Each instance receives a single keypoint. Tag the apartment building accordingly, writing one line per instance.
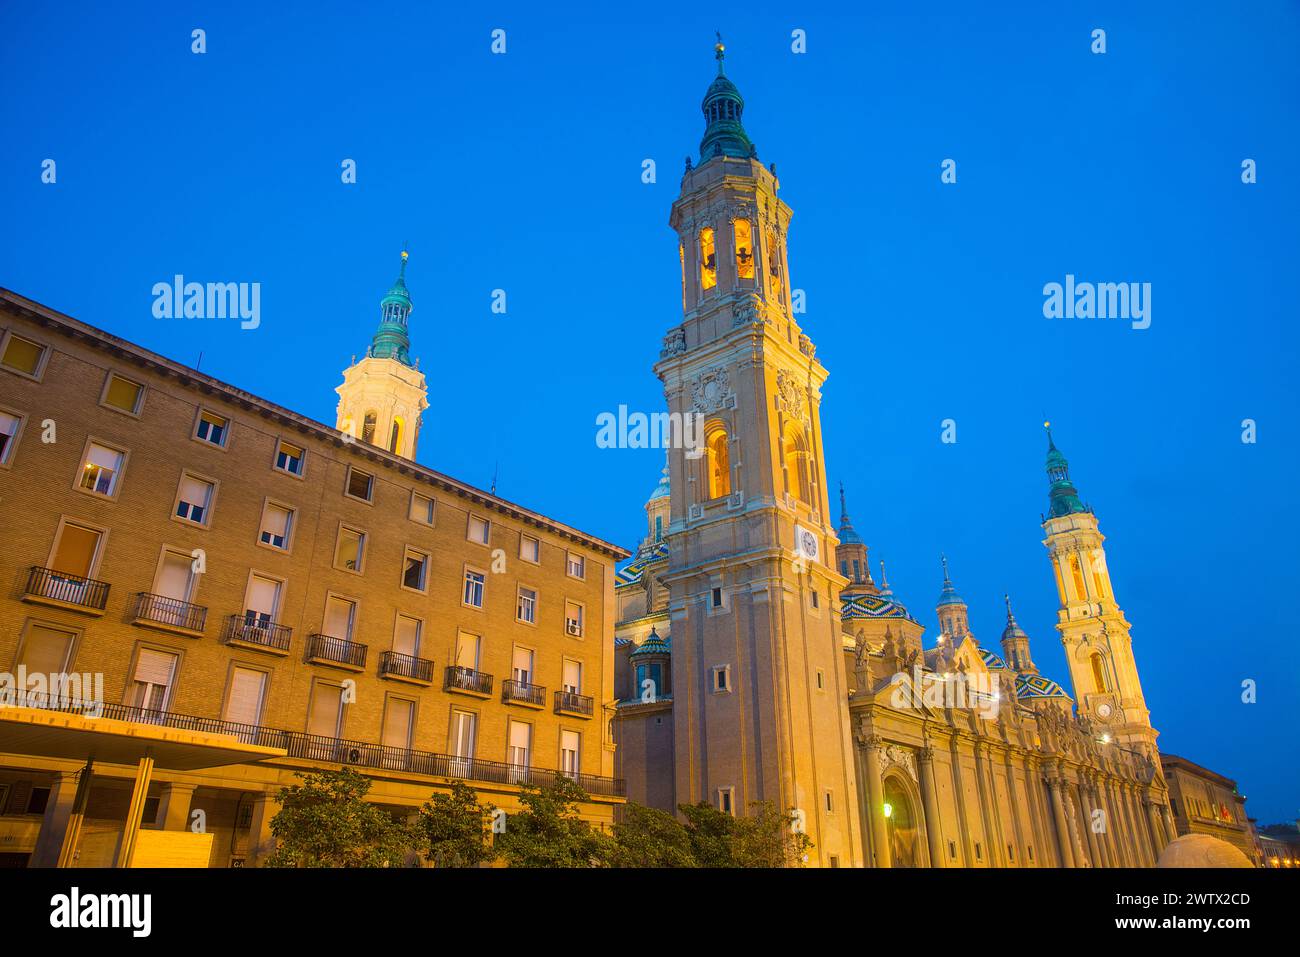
(259, 594)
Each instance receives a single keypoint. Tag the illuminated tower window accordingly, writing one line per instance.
(395, 437)
(792, 460)
(744, 249)
(368, 428)
(1098, 673)
(717, 460)
(1081, 590)
(775, 285)
(708, 259)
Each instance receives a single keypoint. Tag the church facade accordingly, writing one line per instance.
(758, 660)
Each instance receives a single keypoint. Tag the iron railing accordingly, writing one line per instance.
(467, 679)
(314, 747)
(254, 631)
(71, 589)
(170, 611)
(512, 690)
(405, 666)
(340, 650)
(574, 703)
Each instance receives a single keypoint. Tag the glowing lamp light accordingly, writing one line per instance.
(1105, 739)
(888, 809)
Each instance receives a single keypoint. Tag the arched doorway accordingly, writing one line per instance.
(901, 828)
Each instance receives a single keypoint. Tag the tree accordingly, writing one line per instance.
(765, 838)
(327, 822)
(453, 828)
(709, 832)
(649, 837)
(548, 831)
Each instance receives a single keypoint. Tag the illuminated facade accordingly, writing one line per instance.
(893, 754)
(262, 594)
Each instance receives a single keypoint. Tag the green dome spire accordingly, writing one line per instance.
(1063, 497)
(723, 106)
(392, 341)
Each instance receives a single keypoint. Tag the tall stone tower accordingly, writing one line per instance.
(1093, 629)
(383, 396)
(759, 687)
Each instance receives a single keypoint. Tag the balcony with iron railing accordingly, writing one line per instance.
(168, 614)
(514, 691)
(405, 668)
(336, 652)
(257, 634)
(467, 681)
(312, 747)
(570, 702)
(50, 587)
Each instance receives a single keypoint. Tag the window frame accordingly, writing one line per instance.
(582, 619)
(347, 485)
(520, 588)
(134, 413)
(433, 509)
(465, 582)
(121, 472)
(268, 502)
(524, 537)
(268, 675)
(280, 440)
(215, 484)
(24, 634)
(225, 436)
(363, 548)
(428, 566)
(129, 689)
(42, 364)
(486, 541)
(100, 530)
(568, 557)
(11, 450)
(723, 671)
(282, 585)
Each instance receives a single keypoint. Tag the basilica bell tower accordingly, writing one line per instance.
(759, 688)
(383, 397)
(1094, 631)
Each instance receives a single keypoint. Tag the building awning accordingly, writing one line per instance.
(58, 734)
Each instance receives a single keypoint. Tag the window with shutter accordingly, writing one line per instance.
(523, 665)
(76, 551)
(175, 576)
(572, 676)
(326, 717)
(340, 615)
(244, 702)
(195, 496)
(151, 686)
(123, 394)
(276, 521)
(570, 745)
(46, 650)
(467, 651)
(399, 718)
(263, 599)
(520, 742)
(406, 638)
(8, 429)
(100, 472)
(463, 733)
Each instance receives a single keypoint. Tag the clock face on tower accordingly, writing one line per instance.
(1104, 710)
(807, 543)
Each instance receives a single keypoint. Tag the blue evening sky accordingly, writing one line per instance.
(522, 172)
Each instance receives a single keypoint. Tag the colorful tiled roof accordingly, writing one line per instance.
(1036, 686)
(631, 572)
(654, 645)
(991, 660)
(871, 606)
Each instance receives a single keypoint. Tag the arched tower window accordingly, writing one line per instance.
(681, 252)
(744, 249)
(368, 428)
(1080, 589)
(717, 459)
(395, 436)
(708, 259)
(794, 464)
(1098, 672)
(775, 282)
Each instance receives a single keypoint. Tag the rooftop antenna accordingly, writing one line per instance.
(199, 364)
(495, 469)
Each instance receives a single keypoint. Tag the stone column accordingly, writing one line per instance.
(174, 806)
(1056, 789)
(1122, 836)
(1154, 820)
(54, 825)
(1037, 814)
(260, 841)
(986, 817)
(930, 798)
(1087, 802)
(876, 800)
